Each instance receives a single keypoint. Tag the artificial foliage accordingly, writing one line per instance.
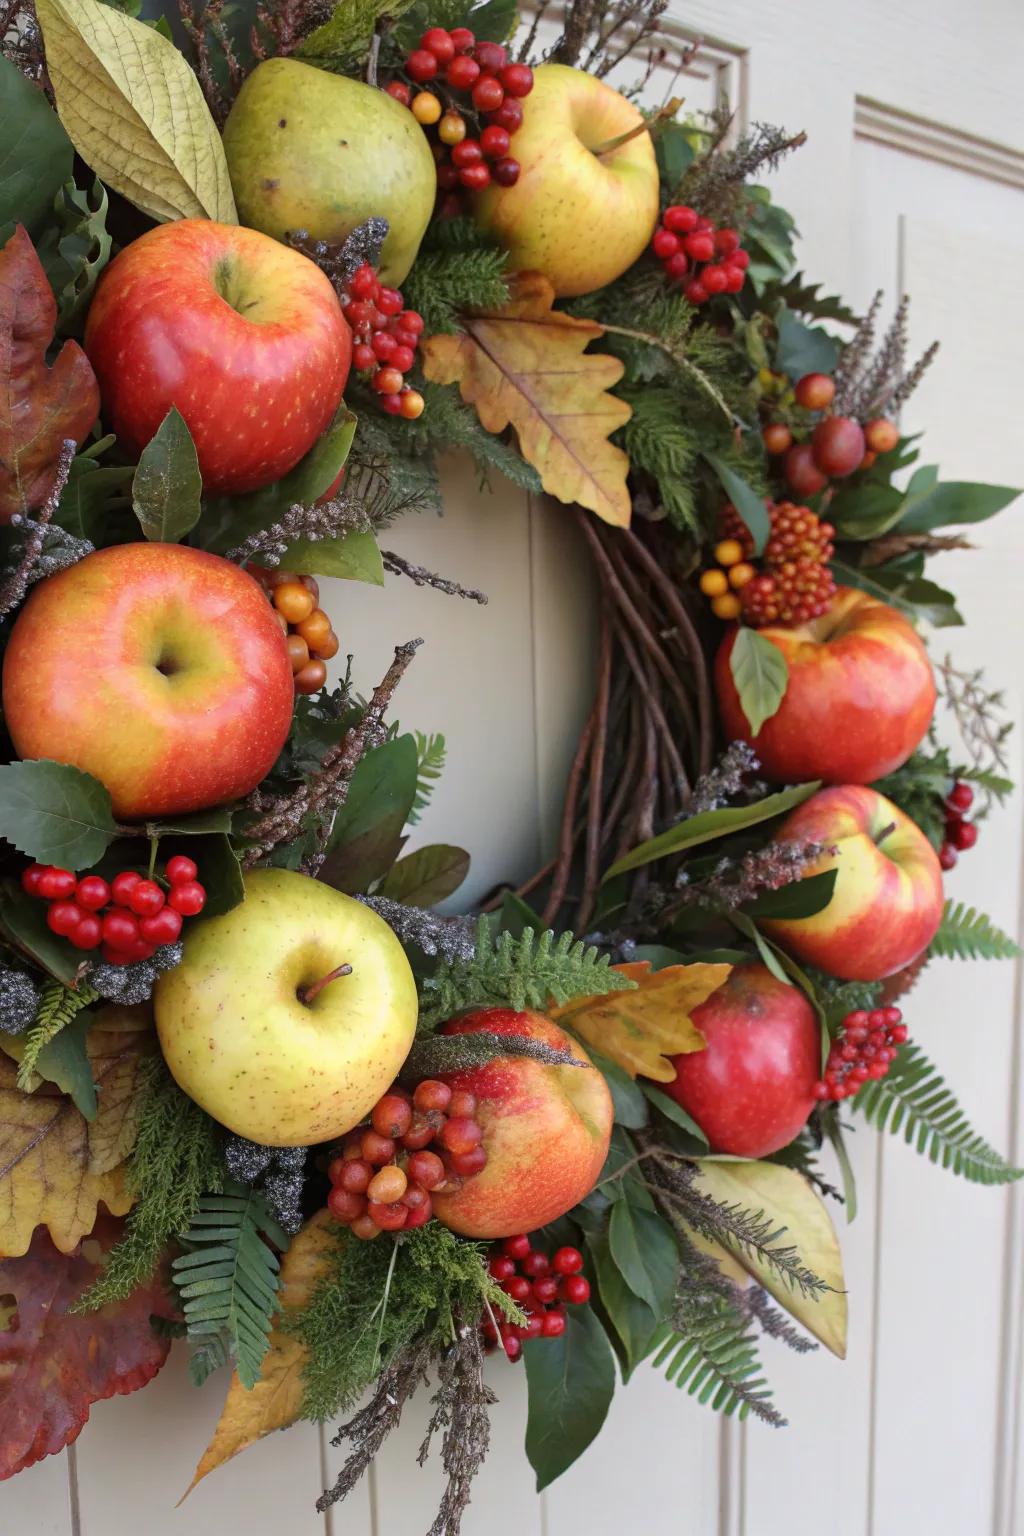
(731, 444)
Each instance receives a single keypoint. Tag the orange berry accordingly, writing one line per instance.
(881, 436)
(740, 574)
(388, 1185)
(728, 552)
(312, 677)
(365, 1227)
(714, 583)
(298, 652)
(294, 600)
(281, 620)
(726, 607)
(425, 107)
(311, 585)
(868, 459)
(452, 128)
(777, 437)
(815, 391)
(315, 629)
(412, 404)
(329, 647)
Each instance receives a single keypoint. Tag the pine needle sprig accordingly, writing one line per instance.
(518, 973)
(966, 934)
(58, 1005)
(443, 285)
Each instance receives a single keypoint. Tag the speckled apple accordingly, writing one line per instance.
(243, 335)
(887, 900)
(242, 1040)
(160, 670)
(752, 1088)
(546, 1131)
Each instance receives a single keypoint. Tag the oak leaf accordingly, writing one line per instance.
(56, 1167)
(40, 406)
(641, 1028)
(276, 1399)
(527, 365)
(53, 1366)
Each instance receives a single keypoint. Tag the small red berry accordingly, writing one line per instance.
(727, 241)
(488, 94)
(163, 927)
(187, 899)
(422, 65)
(390, 1218)
(699, 246)
(734, 279)
(517, 79)
(469, 152)
(359, 312)
(575, 1289)
(409, 320)
(494, 141)
(475, 177)
(420, 1133)
(88, 932)
(432, 1095)
(462, 73)
(679, 219)
(121, 929)
(462, 38)
(382, 344)
(56, 884)
(696, 293)
(63, 917)
(740, 259)
(419, 1213)
(536, 1264)
(462, 1102)
(403, 358)
(351, 1173)
(512, 1346)
(664, 244)
(502, 1267)
(961, 796)
(389, 301)
(506, 171)
(491, 56)
(553, 1325)
(460, 1135)
(147, 898)
(516, 1286)
(377, 1149)
(345, 1205)
(363, 283)
(363, 357)
(516, 1247)
(964, 836)
(947, 856)
(567, 1261)
(545, 1289)
(815, 391)
(92, 892)
(438, 42)
(465, 1164)
(400, 91)
(391, 1116)
(802, 471)
(715, 279)
(676, 267)
(181, 870)
(30, 878)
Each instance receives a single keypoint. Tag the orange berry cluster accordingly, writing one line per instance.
(795, 584)
(311, 639)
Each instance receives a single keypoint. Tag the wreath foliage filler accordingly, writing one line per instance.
(725, 435)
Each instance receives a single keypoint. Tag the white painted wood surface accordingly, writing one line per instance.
(922, 1428)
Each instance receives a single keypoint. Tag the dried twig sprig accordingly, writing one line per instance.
(869, 386)
(715, 182)
(460, 1406)
(340, 261)
(729, 779)
(314, 803)
(755, 1302)
(622, 29)
(733, 882)
(282, 24)
(325, 520)
(399, 566)
(367, 1430)
(21, 41)
(979, 713)
(454, 938)
(891, 545)
(14, 583)
(200, 26)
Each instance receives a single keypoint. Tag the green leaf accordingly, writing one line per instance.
(23, 923)
(953, 502)
(76, 248)
(865, 511)
(675, 154)
(632, 1320)
(706, 826)
(354, 557)
(675, 1112)
(761, 676)
(167, 483)
(628, 1102)
(367, 835)
(746, 500)
(767, 952)
(65, 1062)
(344, 37)
(834, 1133)
(35, 154)
(516, 916)
(55, 814)
(802, 348)
(198, 824)
(425, 877)
(965, 934)
(86, 502)
(495, 20)
(571, 1381)
(917, 598)
(644, 1247)
(801, 898)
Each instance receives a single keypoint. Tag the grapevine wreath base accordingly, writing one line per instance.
(259, 265)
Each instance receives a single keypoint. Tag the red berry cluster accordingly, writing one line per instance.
(837, 446)
(130, 916)
(456, 66)
(795, 584)
(541, 1286)
(384, 1177)
(866, 1045)
(961, 834)
(385, 339)
(706, 260)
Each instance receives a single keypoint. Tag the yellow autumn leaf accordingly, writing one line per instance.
(135, 112)
(527, 364)
(788, 1201)
(276, 1399)
(641, 1028)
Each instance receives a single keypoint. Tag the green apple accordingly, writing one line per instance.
(315, 151)
(578, 216)
(252, 1028)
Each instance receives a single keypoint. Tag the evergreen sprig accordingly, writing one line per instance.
(518, 973)
(227, 1280)
(447, 423)
(431, 752)
(58, 1005)
(444, 284)
(966, 934)
(914, 1098)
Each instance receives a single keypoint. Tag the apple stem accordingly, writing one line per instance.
(649, 125)
(880, 839)
(307, 994)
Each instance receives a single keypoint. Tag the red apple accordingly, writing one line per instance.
(860, 695)
(244, 335)
(546, 1131)
(160, 670)
(887, 900)
(752, 1089)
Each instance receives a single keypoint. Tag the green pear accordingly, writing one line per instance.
(315, 151)
(259, 1028)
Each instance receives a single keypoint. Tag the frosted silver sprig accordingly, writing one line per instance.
(278, 1171)
(133, 984)
(454, 938)
(14, 582)
(19, 1000)
(399, 566)
(340, 261)
(327, 520)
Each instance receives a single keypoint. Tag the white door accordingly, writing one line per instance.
(912, 178)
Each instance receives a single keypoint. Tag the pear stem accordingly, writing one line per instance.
(307, 994)
(649, 125)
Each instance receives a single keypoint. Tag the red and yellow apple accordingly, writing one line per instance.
(160, 670)
(546, 1131)
(752, 1089)
(579, 216)
(860, 695)
(243, 335)
(887, 900)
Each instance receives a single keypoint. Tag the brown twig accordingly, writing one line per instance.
(592, 867)
(399, 566)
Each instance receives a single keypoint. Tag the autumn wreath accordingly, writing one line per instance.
(260, 264)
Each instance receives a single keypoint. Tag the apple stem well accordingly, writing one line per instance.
(307, 994)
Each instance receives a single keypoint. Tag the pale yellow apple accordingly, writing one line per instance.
(238, 1035)
(579, 218)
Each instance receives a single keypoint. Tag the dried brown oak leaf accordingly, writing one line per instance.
(56, 1167)
(40, 406)
(54, 1367)
(527, 365)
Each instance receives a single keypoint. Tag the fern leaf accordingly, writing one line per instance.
(430, 753)
(914, 1099)
(207, 1356)
(227, 1279)
(965, 934)
(716, 1361)
(58, 1005)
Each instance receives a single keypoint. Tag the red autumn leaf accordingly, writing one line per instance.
(40, 406)
(53, 1366)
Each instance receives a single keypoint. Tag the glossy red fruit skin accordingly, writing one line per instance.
(802, 471)
(752, 1089)
(838, 446)
(255, 396)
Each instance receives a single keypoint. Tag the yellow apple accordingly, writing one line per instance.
(578, 217)
(246, 1032)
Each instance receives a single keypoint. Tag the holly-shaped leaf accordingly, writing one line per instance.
(55, 813)
(761, 676)
(527, 365)
(56, 1166)
(54, 1366)
(40, 407)
(640, 1028)
(167, 483)
(276, 1399)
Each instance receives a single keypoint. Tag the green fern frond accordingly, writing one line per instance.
(966, 934)
(227, 1280)
(716, 1361)
(58, 1005)
(518, 973)
(207, 1356)
(914, 1099)
(431, 753)
(750, 1232)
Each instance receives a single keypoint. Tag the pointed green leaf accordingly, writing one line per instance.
(35, 154)
(644, 1247)
(954, 502)
(571, 1381)
(746, 500)
(55, 814)
(167, 483)
(706, 826)
(760, 674)
(425, 877)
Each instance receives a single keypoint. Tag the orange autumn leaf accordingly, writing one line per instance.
(276, 1399)
(527, 365)
(641, 1028)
